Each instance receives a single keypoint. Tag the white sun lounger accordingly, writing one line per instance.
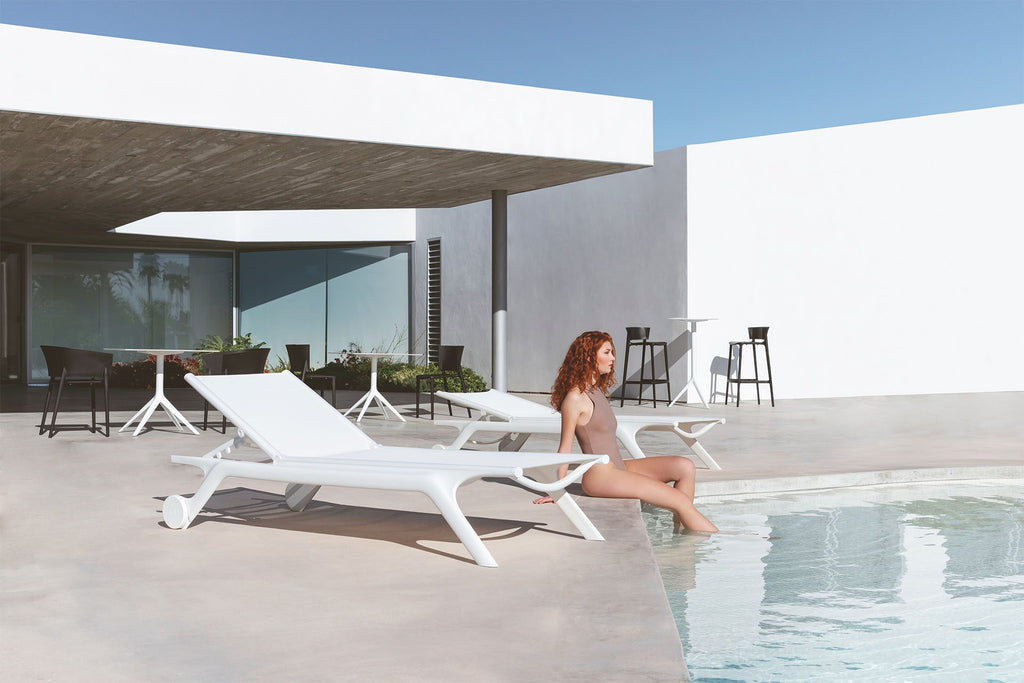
(310, 444)
(513, 415)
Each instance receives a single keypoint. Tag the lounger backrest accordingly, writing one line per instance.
(281, 415)
(502, 405)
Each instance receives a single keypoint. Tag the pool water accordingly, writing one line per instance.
(921, 582)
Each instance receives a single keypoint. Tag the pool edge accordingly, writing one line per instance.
(712, 489)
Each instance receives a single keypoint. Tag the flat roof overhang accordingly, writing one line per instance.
(98, 132)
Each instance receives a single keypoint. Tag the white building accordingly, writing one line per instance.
(153, 194)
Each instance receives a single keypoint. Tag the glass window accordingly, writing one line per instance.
(368, 297)
(95, 298)
(283, 300)
(327, 298)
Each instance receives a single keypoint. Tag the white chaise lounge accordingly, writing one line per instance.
(308, 444)
(516, 418)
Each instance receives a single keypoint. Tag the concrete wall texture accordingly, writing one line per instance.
(598, 254)
(884, 257)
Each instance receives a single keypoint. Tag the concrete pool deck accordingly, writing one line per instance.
(372, 585)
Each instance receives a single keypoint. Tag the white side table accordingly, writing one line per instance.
(691, 326)
(159, 399)
(374, 394)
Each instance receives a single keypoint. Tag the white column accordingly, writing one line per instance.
(499, 287)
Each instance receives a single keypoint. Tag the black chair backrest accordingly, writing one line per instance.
(298, 357)
(637, 333)
(758, 333)
(244, 361)
(449, 358)
(76, 362)
(54, 356)
(213, 363)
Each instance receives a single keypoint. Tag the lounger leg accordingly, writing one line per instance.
(628, 439)
(180, 511)
(443, 496)
(579, 519)
(567, 503)
(516, 444)
(297, 496)
(465, 434)
(698, 450)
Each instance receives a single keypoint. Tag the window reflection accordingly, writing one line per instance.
(99, 298)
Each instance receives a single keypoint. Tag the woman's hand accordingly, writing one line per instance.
(563, 471)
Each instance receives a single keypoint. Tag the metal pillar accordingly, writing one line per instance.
(499, 287)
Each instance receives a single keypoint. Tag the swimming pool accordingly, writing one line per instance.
(888, 583)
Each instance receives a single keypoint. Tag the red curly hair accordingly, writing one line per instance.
(579, 367)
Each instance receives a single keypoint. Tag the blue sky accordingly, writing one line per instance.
(716, 70)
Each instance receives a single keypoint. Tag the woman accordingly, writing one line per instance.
(579, 394)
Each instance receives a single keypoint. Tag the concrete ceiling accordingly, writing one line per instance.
(71, 179)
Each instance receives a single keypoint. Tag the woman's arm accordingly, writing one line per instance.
(570, 412)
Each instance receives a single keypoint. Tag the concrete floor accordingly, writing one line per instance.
(372, 585)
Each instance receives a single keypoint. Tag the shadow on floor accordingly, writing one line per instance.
(252, 507)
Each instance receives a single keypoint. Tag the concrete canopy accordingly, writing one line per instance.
(98, 132)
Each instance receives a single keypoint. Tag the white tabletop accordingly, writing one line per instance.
(693, 320)
(163, 352)
(373, 355)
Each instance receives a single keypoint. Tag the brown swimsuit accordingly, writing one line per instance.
(597, 437)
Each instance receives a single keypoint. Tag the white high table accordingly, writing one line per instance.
(374, 394)
(159, 400)
(691, 381)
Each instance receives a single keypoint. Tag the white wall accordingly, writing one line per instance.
(885, 257)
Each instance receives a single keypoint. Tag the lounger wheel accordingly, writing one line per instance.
(176, 512)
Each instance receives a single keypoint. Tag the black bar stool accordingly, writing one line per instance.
(758, 337)
(637, 336)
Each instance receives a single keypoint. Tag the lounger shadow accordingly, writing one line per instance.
(413, 529)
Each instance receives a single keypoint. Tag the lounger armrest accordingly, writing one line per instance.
(699, 432)
(204, 463)
(559, 484)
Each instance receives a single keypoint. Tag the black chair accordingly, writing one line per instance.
(241, 362)
(298, 363)
(449, 366)
(638, 336)
(76, 367)
(758, 337)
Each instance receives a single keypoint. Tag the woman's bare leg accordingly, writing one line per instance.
(667, 468)
(605, 481)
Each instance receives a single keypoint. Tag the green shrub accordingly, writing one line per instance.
(214, 342)
(353, 372)
(141, 374)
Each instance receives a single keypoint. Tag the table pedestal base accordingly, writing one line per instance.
(373, 395)
(690, 383)
(158, 401)
(691, 327)
(382, 403)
